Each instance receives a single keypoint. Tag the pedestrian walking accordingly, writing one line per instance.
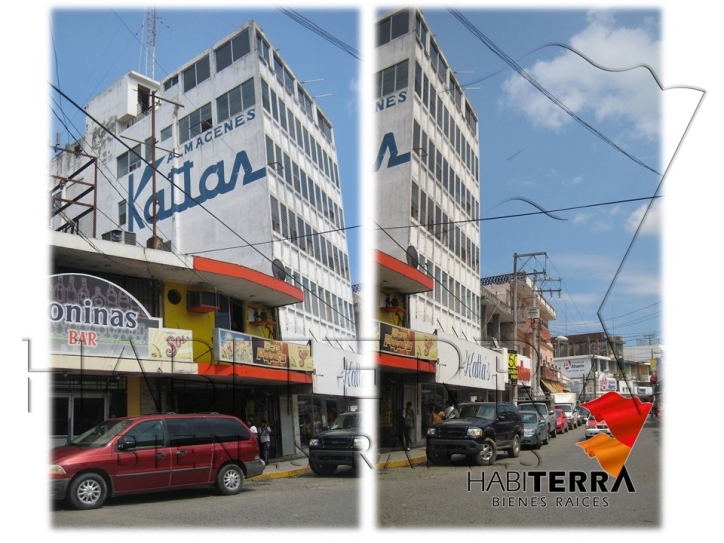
(264, 441)
(408, 424)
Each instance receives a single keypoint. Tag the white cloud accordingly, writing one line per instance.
(630, 98)
(652, 222)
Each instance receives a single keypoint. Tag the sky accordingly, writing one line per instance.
(581, 164)
(565, 166)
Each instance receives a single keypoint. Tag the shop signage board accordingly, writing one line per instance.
(94, 317)
(469, 364)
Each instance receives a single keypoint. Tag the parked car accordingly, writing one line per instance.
(154, 452)
(343, 444)
(535, 430)
(543, 410)
(483, 429)
(561, 421)
(594, 427)
(569, 411)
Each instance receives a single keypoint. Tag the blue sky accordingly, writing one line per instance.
(531, 149)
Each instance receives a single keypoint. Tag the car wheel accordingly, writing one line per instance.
(322, 469)
(514, 451)
(87, 491)
(554, 433)
(230, 479)
(546, 439)
(439, 459)
(487, 454)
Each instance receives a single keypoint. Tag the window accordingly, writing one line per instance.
(166, 133)
(324, 126)
(392, 27)
(421, 31)
(235, 101)
(170, 82)
(391, 79)
(304, 100)
(194, 124)
(415, 202)
(262, 47)
(197, 73)
(129, 161)
(276, 226)
(122, 211)
(265, 96)
(232, 50)
(147, 434)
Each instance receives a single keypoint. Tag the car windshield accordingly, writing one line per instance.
(101, 434)
(345, 421)
(529, 418)
(478, 411)
(565, 408)
(533, 407)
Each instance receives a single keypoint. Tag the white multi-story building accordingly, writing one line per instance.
(427, 184)
(428, 173)
(246, 172)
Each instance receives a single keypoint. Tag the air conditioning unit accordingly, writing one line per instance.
(120, 236)
(201, 302)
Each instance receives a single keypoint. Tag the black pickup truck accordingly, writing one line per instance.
(342, 445)
(483, 429)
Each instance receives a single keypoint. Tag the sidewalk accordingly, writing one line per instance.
(385, 459)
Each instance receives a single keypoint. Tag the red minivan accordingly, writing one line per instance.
(154, 452)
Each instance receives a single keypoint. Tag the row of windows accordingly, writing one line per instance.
(323, 304)
(424, 210)
(450, 293)
(286, 79)
(302, 184)
(301, 234)
(432, 158)
(274, 105)
(425, 90)
(231, 103)
(456, 297)
(231, 51)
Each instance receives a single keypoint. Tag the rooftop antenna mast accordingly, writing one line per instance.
(149, 30)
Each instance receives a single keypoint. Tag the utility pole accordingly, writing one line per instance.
(535, 380)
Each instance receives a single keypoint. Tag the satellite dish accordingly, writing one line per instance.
(412, 258)
(278, 270)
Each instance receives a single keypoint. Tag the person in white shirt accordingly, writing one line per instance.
(264, 441)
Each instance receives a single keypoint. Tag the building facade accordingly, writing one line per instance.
(218, 192)
(427, 182)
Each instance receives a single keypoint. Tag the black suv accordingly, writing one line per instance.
(343, 444)
(483, 429)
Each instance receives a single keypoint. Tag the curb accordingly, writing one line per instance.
(409, 461)
(282, 474)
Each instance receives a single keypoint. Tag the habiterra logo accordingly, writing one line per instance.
(625, 417)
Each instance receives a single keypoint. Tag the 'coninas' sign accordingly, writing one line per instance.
(95, 317)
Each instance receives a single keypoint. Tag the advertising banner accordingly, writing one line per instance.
(171, 344)
(238, 348)
(405, 342)
(95, 317)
